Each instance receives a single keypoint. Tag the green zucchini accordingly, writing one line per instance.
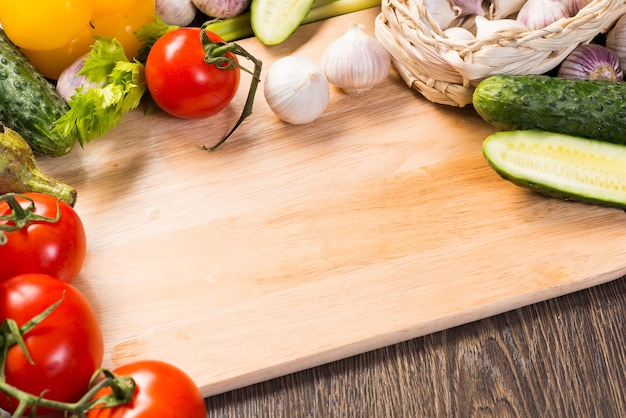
(273, 21)
(560, 165)
(590, 109)
(30, 104)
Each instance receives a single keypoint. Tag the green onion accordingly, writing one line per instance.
(238, 27)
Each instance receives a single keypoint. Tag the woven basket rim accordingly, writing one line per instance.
(440, 66)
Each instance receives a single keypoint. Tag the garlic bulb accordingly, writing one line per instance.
(176, 12)
(222, 9)
(356, 61)
(616, 40)
(537, 14)
(296, 89)
(574, 6)
(591, 62)
(69, 82)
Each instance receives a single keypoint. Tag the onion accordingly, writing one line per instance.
(591, 62)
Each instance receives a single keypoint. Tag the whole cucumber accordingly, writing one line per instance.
(29, 104)
(584, 108)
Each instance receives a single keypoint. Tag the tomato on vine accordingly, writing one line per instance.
(192, 73)
(162, 390)
(61, 352)
(40, 234)
(181, 83)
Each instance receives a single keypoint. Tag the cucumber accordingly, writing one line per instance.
(590, 109)
(560, 165)
(30, 104)
(273, 21)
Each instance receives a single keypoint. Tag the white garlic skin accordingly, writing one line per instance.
(537, 14)
(296, 89)
(176, 12)
(356, 61)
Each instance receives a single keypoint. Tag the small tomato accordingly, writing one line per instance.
(56, 248)
(162, 390)
(182, 83)
(67, 347)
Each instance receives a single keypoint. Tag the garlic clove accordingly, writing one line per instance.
(468, 7)
(502, 9)
(486, 28)
(296, 89)
(356, 61)
(537, 14)
(458, 33)
(440, 11)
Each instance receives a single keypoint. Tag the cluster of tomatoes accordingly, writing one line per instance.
(42, 250)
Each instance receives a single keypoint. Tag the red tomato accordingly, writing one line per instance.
(179, 80)
(162, 390)
(66, 347)
(57, 249)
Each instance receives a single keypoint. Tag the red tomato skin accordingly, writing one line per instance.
(56, 249)
(179, 80)
(162, 390)
(67, 347)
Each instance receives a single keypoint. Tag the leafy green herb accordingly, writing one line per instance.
(95, 111)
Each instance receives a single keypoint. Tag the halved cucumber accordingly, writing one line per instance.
(273, 21)
(568, 167)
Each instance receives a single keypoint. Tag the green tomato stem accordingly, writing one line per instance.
(122, 387)
(217, 53)
(19, 216)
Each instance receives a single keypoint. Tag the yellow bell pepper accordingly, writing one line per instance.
(54, 33)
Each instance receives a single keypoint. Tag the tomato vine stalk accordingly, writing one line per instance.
(20, 216)
(122, 387)
(217, 53)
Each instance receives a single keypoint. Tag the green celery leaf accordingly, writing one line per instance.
(95, 111)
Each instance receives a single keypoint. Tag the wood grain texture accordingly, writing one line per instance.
(293, 246)
(560, 358)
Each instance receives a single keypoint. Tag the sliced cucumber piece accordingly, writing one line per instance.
(273, 21)
(568, 167)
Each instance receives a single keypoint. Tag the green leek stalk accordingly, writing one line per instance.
(238, 27)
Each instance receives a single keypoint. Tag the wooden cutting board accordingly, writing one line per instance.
(293, 246)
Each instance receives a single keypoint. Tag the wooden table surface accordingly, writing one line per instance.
(560, 358)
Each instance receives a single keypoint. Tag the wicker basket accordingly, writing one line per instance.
(446, 70)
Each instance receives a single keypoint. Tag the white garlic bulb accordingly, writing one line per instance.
(176, 12)
(296, 89)
(537, 14)
(356, 61)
